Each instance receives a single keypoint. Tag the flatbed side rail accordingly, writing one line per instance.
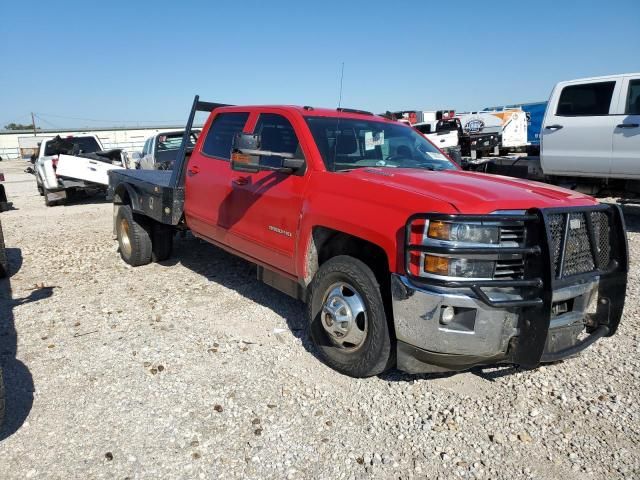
(177, 175)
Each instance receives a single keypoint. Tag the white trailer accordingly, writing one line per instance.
(510, 124)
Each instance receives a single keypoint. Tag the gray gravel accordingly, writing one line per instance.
(192, 369)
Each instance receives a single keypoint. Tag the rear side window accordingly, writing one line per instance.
(633, 98)
(220, 134)
(586, 100)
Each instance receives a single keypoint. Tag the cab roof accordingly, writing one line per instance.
(308, 111)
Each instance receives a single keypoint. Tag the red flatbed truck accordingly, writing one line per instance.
(404, 260)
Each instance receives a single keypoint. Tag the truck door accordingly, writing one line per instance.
(208, 175)
(626, 134)
(576, 134)
(263, 210)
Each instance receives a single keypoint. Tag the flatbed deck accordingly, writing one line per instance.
(150, 192)
(160, 178)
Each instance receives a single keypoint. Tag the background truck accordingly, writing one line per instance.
(402, 258)
(590, 138)
(64, 166)
(160, 150)
(444, 134)
(493, 132)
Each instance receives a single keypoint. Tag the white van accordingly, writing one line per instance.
(591, 128)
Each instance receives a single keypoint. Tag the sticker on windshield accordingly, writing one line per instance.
(373, 140)
(436, 156)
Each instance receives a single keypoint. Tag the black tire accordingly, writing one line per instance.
(162, 242)
(47, 202)
(133, 237)
(2, 401)
(4, 262)
(375, 354)
(39, 185)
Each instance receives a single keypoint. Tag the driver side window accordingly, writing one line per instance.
(277, 135)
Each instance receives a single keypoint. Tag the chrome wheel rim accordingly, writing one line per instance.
(344, 316)
(125, 241)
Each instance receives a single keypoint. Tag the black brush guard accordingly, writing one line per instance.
(541, 275)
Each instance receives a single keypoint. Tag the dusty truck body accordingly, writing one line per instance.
(403, 259)
(66, 165)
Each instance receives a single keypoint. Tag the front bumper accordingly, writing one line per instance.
(478, 334)
(512, 322)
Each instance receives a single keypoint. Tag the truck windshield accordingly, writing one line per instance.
(346, 143)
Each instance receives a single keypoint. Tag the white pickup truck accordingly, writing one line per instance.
(67, 165)
(590, 138)
(161, 149)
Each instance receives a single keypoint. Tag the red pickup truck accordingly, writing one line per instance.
(403, 259)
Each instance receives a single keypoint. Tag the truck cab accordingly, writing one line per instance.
(402, 259)
(591, 128)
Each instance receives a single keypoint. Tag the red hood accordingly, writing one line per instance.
(472, 192)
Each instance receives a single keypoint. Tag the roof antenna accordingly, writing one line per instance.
(341, 78)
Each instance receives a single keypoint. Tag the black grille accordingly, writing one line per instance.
(556, 228)
(509, 269)
(602, 234)
(578, 252)
(512, 233)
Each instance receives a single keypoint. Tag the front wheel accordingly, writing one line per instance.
(347, 319)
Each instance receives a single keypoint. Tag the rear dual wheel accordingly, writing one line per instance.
(140, 239)
(347, 319)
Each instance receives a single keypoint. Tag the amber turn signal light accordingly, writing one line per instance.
(238, 157)
(439, 230)
(436, 265)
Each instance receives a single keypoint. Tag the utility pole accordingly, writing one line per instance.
(33, 122)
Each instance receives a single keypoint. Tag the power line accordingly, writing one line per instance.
(46, 121)
(103, 120)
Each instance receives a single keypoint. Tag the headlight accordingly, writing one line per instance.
(458, 267)
(464, 232)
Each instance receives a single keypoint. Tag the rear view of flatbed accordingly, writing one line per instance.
(149, 204)
(149, 192)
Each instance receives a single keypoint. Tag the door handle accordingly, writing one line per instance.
(194, 170)
(553, 127)
(627, 125)
(240, 181)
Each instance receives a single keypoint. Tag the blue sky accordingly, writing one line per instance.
(118, 63)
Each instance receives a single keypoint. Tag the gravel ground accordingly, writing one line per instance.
(193, 369)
